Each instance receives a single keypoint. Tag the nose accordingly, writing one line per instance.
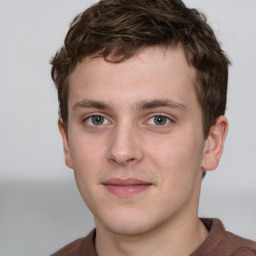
(125, 147)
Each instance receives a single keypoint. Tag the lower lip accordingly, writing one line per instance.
(127, 191)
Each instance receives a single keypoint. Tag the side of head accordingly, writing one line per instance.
(118, 29)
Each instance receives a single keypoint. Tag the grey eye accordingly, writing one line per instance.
(97, 120)
(160, 120)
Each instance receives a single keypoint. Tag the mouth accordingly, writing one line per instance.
(126, 187)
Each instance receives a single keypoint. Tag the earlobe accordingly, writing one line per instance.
(214, 144)
(66, 146)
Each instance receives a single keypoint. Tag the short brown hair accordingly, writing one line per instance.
(118, 29)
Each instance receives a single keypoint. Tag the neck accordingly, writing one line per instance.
(181, 238)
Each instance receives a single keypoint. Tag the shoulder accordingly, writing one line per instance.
(224, 243)
(70, 248)
(79, 247)
(243, 246)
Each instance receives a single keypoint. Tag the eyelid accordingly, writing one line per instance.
(86, 117)
(105, 116)
(171, 119)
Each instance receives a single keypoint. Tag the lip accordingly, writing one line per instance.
(126, 187)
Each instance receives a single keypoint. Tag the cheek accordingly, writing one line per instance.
(177, 159)
(178, 165)
(85, 152)
(88, 161)
(174, 151)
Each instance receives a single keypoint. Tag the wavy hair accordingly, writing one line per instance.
(118, 29)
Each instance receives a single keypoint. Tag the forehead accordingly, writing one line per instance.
(152, 73)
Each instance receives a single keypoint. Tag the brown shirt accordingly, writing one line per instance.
(218, 243)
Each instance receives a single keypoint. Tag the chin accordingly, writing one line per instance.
(128, 229)
(127, 224)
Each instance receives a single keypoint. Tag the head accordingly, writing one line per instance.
(142, 92)
(117, 30)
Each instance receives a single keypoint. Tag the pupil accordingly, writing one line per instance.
(160, 120)
(97, 120)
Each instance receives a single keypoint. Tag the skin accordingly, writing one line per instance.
(129, 142)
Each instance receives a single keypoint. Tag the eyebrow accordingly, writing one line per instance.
(143, 105)
(91, 104)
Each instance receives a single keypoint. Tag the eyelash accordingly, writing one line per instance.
(90, 123)
(167, 119)
(87, 118)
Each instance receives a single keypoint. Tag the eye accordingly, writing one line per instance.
(96, 120)
(159, 120)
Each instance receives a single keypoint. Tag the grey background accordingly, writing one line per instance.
(40, 207)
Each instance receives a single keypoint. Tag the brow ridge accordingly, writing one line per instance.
(141, 106)
(144, 105)
(91, 104)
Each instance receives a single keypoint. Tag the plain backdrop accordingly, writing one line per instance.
(40, 207)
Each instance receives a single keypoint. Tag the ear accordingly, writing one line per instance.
(214, 144)
(66, 147)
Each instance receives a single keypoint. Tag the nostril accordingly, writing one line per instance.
(122, 162)
(131, 160)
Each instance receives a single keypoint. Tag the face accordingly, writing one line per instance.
(135, 140)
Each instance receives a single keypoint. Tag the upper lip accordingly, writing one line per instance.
(125, 182)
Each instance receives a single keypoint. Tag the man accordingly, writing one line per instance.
(142, 94)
